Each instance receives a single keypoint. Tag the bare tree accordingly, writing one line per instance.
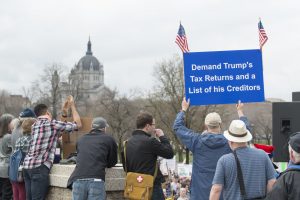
(12, 104)
(29, 93)
(4, 98)
(74, 85)
(55, 93)
(166, 101)
(262, 124)
(167, 96)
(46, 87)
(119, 111)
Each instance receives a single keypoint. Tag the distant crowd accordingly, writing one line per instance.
(225, 164)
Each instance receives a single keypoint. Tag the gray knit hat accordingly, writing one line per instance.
(99, 123)
(295, 141)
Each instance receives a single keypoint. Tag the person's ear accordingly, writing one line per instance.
(49, 114)
(292, 157)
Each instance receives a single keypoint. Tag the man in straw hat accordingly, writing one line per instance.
(256, 174)
(288, 184)
(207, 148)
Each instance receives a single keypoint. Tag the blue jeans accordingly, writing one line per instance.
(157, 192)
(88, 189)
(36, 182)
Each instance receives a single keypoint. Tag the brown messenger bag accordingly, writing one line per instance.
(138, 186)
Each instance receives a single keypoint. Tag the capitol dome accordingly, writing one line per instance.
(89, 62)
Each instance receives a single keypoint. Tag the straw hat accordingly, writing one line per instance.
(238, 132)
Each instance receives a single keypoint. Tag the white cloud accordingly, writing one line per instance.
(131, 36)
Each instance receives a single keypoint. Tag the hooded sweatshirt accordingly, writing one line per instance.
(207, 148)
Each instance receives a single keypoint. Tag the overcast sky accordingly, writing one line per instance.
(130, 36)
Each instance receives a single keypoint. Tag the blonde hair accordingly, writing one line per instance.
(15, 122)
(27, 124)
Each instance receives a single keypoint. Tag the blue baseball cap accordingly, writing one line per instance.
(27, 112)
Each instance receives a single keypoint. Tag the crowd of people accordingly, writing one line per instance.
(224, 166)
(176, 187)
(36, 133)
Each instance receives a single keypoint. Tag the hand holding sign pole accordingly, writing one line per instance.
(185, 104)
(239, 108)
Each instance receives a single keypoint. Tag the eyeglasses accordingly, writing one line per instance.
(152, 124)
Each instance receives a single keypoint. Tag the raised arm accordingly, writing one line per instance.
(185, 104)
(162, 148)
(75, 114)
(64, 110)
(186, 135)
(239, 108)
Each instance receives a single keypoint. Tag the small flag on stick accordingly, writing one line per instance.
(181, 40)
(262, 34)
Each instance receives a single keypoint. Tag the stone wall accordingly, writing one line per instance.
(59, 175)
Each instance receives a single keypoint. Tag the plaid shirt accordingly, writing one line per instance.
(23, 143)
(44, 138)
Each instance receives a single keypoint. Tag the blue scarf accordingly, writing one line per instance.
(293, 166)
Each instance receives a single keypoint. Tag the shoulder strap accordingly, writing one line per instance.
(240, 175)
(124, 144)
(155, 172)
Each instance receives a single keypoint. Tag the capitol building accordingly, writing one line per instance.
(86, 79)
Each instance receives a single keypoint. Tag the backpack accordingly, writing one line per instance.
(15, 171)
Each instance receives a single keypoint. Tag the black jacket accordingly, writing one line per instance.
(287, 187)
(142, 152)
(95, 152)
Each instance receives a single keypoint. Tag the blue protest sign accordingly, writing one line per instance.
(224, 77)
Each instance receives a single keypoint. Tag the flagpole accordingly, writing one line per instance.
(259, 21)
(262, 39)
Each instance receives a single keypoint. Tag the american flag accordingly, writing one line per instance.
(262, 35)
(181, 40)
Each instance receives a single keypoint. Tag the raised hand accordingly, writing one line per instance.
(239, 108)
(185, 104)
(159, 132)
(70, 100)
(65, 107)
(239, 105)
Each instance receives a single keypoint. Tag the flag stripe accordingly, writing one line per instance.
(181, 40)
(262, 35)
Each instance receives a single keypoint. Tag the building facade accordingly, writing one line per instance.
(86, 79)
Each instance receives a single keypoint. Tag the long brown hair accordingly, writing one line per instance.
(5, 120)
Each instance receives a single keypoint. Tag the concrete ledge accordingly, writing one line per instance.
(59, 175)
